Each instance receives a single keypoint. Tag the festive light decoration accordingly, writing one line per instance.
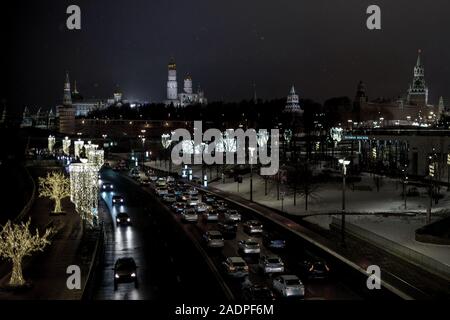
(166, 140)
(84, 189)
(17, 242)
(51, 143)
(78, 148)
(89, 147)
(96, 157)
(56, 187)
(66, 146)
(287, 135)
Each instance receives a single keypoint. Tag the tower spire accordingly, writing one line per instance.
(418, 63)
(67, 98)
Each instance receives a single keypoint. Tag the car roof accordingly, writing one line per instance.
(215, 232)
(289, 277)
(236, 259)
(122, 214)
(125, 261)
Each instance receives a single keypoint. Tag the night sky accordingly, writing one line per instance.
(323, 47)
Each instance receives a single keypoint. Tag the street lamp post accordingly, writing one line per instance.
(252, 151)
(344, 164)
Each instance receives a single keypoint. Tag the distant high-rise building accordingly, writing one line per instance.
(293, 103)
(418, 91)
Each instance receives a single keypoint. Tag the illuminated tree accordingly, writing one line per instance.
(17, 242)
(56, 187)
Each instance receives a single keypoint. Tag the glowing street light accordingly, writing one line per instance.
(344, 164)
(252, 151)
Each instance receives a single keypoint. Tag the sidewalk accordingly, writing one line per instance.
(47, 270)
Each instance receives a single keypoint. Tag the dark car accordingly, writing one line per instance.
(125, 271)
(315, 269)
(117, 200)
(258, 293)
(228, 227)
(107, 186)
(273, 241)
(123, 219)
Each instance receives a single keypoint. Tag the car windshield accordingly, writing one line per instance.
(251, 243)
(239, 264)
(215, 236)
(292, 282)
(273, 260)
(125, 264)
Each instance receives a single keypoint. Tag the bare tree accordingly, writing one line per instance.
(56, 187)
(17, 242)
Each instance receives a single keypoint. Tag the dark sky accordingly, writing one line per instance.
(323, 47)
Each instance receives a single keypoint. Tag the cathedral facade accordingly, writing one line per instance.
(186, 97)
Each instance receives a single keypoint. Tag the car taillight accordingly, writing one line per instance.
(311, 269)
(246, 268)
(232, 268)
(328, 269)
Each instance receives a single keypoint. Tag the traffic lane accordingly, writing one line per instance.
(331, 288)
(181, 272)
(136, 241)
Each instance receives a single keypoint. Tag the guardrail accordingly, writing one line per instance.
(95, 262)
(436, 267)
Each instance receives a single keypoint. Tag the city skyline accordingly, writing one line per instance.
(322, 60)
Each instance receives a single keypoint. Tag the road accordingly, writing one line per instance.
(333, 288)
(169, 265)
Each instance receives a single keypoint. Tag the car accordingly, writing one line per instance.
(144, 181)
(162, 191)
(273, 241)
(201, 207)
(213, 239)
(289, 286)
(221, 206)
(210, 199)
(232, 215)
(170, 179)
(125, 271)
(253, 226)
(228, 227)
(257, 292)
(153, 178)
(178, 207)
(193, 192)
(134, 173)
(161, 182)
(193, 201)
(107, 186)
(315, 269)
(249, 246)
(210, 215)
(116, 200)
(123, 218)
(235, 267)
(169, 198)
(271, 264)
(189, 215)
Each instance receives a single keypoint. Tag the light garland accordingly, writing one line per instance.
(84, 189)
(78, 147)
(51, 143)
(96, 157)
(66, 146)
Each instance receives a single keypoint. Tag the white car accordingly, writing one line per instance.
(232, 215)
(189, 215)
(249, 246)
(170, 179)
(134, 173)
(271, 264)
(169, 198)
(153, 178)
(162, 192)
(202, 207)
(289, 286)
(253, 226)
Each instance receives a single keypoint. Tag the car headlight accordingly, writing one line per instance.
(121, 200)
(117, 276)
(133, 275)
(118, 220)
(128, 219)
